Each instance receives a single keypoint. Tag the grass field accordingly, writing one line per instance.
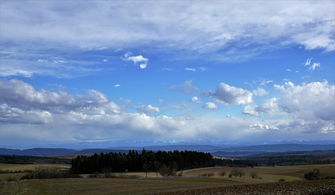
(24, 167)
(107, 186)
(265, 174)
(192, 182)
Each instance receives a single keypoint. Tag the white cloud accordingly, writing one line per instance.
(308, 61)
(210, 106)
(190, 69)
(314, 66)
(309, 106)
(143, 66)
(201, 26)
(270, 107)
(263, 126)
(136, 59)
(313, 100)
(148, 109)
(260, 92)
(195, 99)
(117, 85)
(142, 61)
(20, 95)
(231, 95)
(265, 82)
(56, 116)
(186, 87)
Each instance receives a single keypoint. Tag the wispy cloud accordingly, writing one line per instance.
(202, 26)
(186, 87)
(312, 65)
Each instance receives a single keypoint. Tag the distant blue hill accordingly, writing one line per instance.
(53, 151)
(215, 150)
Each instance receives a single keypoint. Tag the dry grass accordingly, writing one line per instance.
(191, 183)
(24, 167)
(108, 186)
(321, 187)
(265, 174)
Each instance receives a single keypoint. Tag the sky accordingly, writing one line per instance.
(131, 73)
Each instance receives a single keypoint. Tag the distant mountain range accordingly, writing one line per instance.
(232, 151)
(53, 151)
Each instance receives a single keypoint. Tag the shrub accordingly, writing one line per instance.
(180, 173)
(237, 173)
(167, 171)
(48, 172)
(222, 173)
(11, 178)
(281, 180)
(253, 175)
(312, 175)
(207, 175)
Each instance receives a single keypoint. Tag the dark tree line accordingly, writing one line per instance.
(141, 161)
(234, 163)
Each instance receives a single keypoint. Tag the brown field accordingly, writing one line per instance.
(192, 182)
(87, 186)
(265, 174)
(24, 167)
(321, 187)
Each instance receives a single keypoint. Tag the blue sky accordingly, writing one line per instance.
(160, 72)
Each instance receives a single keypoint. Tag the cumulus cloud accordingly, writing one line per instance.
(308, 106)
(309, 100)
(186, 87)
(270, 107)
(19, 98)
(263, 126)
(142, 61)
(57, 116)
(210, 106)
(231, 95)
(148, 109)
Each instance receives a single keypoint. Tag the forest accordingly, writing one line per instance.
(141, 161)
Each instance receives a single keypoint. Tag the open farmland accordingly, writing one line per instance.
(196, 181)
(84, 186)
(326, 187)
(16, 171)
(107, 186)
(25, 167)
(263, 174)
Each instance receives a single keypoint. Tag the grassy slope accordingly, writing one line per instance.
(23, 167)
(267, 174)
(107, 186)
(155, 185)
(319, 187)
